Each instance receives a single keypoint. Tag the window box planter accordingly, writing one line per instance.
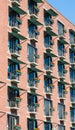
(51, 21)
(18, 99)
(19, 20)
(36, 8)
(52, 109)
(19, 46)
(37, 79)
(65, 91)
(64, 71)
(17, 127)
(65, 31)
(37, 56)
(36, 128)
(51, 42)
(52, 63)
(18, 72)
(36, 105)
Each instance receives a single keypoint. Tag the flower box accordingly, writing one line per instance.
(19, 46)
(18, 99)
(65, 31)
(65, 71)
(17, 127)
(52, 109)
(18, 72)
(36, 105)
(65, 91)
(52, 63)
(37, 56)
(51, 21)
(37, 79)
(37, 9)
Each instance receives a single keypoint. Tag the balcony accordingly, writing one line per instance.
(33, 36)
(33, 108)
(33, 84)
(47, 68)
(14, 104)
(73, 100)
(33, 59)
(48, 90)
(14, 52)
(13, 76)
(17, 127)
(49, 45)
(34, 10)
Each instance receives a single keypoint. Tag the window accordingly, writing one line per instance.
(12, 70)
(32, 75)
(60, 29)
(32, 53)
(60, 49)
(61, 89)
(72, 114)
(72, 75)
(12, 97)
(13, 18)
(14, 45)
(72, 95)
(72, 128)
(60, 69)
(72, 38)
(47, 62)
(32, 30)
(47, 126)
(47, 41)
(31, 124)
(72, 56)
(32, 100)
(47, 18)
(13, 121)
(47, 84)
(61, 111)
(32, 7)
(61, 127)
(47, 107)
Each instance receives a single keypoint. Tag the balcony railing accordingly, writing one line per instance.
(13, 104)
(32, 83)
(61, 53)
(47, 67)
(32, 108)
(73, 99)
(14, 23)
(32, 35)
(32, 58)
(49, 45)
(14, 51)
(13, 76)
(34, 10)
(48, 89)
(61, 115)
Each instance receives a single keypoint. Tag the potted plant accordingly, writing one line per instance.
(52, 109)
(18, 99)
(37, 56)
(18, 72)
(65, 31)
(65, 71)
(51, 21)
(17, 127)
(37, 79)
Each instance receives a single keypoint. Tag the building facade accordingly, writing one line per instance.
(37, 67)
